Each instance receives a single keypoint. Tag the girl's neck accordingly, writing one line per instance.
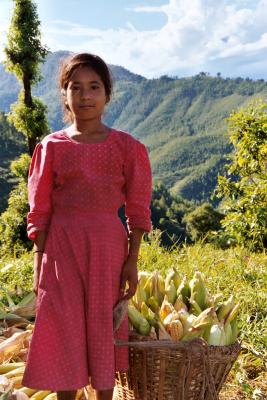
(88, 127)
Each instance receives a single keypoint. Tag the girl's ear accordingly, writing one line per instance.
(66, 105)
(63, 92)
(107, 99)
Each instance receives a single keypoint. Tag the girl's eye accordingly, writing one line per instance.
(95, 87)
(75, 87)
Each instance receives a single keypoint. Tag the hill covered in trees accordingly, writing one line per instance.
(181, 120)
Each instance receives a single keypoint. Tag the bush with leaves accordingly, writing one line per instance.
(16, 276)
(13, 234)
(244, 190)
(203, 220)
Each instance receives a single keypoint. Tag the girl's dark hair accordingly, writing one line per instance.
(70, 64)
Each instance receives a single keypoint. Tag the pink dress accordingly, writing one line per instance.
(75, 190)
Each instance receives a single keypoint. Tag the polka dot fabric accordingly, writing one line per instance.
(75, 190)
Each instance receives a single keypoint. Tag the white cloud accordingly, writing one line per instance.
(200, 35)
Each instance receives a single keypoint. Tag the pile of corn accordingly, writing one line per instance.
(178, 309)
(11, 389)
(15, 336)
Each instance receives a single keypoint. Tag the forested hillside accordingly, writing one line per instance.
(181, 120)
(11, 145)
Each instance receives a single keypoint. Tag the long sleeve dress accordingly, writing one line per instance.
(75, 190)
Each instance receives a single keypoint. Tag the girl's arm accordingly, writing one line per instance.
(130, 272)
(38, 248)
(135, 237)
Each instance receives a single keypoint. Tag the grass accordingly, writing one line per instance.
(234, 271)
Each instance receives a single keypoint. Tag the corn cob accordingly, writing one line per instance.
(28, 391)
(15, 372)
(175, 329)
(138, 321)
(52, 396)
(40, 394)
(10, 366)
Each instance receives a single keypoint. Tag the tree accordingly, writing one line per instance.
(13, 234)
(244, 191)
(201, 221)
(24, 53)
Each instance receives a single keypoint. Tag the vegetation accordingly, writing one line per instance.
(181, 120)
(24, 53)
(234, 271)
(13, 221)
(11, 145)
(244, 191)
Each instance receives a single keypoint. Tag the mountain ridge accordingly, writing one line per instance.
(180, 120)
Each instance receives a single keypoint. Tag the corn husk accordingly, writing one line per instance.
(198, 290)
(174, 276)
(165, 309)
(225, 308)
(179, 304)
(171, 292)
(184, 290)
(216, 335)
(13, 345)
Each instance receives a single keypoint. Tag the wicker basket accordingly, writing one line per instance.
(167, 370)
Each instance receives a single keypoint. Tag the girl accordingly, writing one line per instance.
(83, 256)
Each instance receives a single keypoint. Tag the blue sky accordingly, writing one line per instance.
(156, 37)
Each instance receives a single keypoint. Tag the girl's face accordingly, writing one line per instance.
(85, 94)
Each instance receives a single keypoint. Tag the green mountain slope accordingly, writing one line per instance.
(182, 121)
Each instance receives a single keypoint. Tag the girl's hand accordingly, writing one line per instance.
(129, 274)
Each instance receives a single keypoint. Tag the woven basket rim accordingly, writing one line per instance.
(174, 344)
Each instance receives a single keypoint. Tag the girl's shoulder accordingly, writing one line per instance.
(126, 137)
(57, 136)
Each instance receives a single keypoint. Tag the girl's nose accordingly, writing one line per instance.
(86, 93)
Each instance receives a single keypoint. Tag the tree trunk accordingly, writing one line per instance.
(28, 103)
(31, 145)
